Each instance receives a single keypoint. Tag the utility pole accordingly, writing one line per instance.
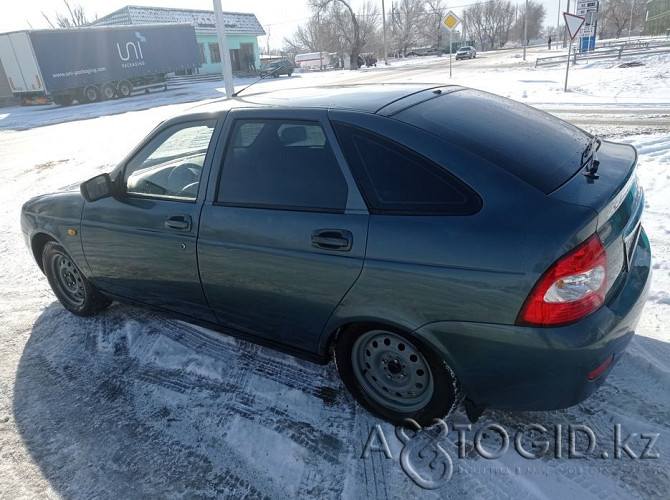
(386, 57)
(226, 69)
(630, 22)
(525, 31)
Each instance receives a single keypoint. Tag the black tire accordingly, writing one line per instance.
(70, 286)
(108, 91)
(125, 88)
(91, 94)
(413, 381)
(290, 73)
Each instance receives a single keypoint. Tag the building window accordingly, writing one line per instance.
(201, 48)
(214, 52)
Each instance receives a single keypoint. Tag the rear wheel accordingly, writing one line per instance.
(71, 288)
(393, 375)
(125, 88)
(108, 91)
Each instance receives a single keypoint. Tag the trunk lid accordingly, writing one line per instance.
(614, 194)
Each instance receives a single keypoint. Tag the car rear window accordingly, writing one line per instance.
(535, 146)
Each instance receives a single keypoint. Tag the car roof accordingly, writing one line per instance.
(367, 98)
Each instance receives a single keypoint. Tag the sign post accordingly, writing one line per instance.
(587, 36)
(574, 24)
(450, 21)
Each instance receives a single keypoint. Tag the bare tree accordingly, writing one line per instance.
(536, 15)
(76, 16)
(615, 16)
(407, 21)
(435, 10)
(494, 22)
(353, 36)
(305, 39)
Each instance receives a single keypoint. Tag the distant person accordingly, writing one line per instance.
(549, 43)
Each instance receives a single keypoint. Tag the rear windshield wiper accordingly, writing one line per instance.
(590, 158)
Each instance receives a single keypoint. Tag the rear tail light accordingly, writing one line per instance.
(572, 288)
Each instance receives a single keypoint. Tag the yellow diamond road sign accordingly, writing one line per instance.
(451, 20)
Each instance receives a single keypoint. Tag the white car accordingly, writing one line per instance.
(467, 52)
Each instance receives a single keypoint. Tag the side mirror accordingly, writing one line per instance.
(97, 188)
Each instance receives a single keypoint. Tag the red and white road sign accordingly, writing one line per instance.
(573, 23)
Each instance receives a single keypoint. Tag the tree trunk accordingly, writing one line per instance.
(356, 49)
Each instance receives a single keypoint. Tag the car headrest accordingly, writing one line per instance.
(291, 135)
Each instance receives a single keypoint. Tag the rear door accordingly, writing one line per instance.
(283, 230)
(18, 60)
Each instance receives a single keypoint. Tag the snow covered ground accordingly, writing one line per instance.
(131, 403)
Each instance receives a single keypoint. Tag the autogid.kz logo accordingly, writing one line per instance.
(425, 459)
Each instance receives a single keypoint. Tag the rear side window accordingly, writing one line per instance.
(397, 180)
(281, 164)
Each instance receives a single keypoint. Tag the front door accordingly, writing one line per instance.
(141, 244)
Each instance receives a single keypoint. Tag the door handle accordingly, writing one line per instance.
(332, 239)
(178, 222)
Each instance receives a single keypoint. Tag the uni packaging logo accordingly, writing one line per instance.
(133, 46)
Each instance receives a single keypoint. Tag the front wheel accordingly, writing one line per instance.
(92, 94)
(71, 287)
(393, 375)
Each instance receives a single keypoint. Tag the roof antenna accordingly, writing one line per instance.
(276, 70)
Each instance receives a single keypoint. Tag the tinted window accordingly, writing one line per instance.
(394, 179)
(170, 165)
(281, 164)
(534, 146)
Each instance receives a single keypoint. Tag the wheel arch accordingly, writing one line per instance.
(37, 243)
(422, 334)
(329, 339)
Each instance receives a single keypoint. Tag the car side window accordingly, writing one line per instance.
(170, 165)
(396, 180)
(281, 164)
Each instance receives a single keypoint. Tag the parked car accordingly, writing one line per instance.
(277, 68)
(439, 240)
(466, 52)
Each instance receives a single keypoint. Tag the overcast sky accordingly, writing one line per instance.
(279, 17)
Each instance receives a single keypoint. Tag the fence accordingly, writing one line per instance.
(609, 51)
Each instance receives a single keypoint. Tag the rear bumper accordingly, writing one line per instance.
(527, 368)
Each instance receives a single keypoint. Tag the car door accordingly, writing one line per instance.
(283, 230)
(141, 243)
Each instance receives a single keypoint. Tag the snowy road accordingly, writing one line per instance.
(132, 403)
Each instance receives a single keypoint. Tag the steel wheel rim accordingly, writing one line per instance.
(392, 371)
(69, 280)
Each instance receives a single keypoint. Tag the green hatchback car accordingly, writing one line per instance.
(440, 242)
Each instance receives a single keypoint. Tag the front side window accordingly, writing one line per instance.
(397, 180)
(281, 164)
(170, 165)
